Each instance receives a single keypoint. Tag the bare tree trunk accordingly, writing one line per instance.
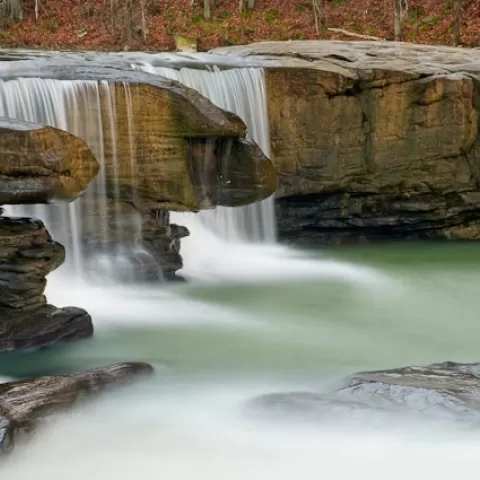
(12, 9)
(457, 21)
(128, 24)
(36, 11)
(251, 4)
(207, 9)
(241, 5)
(397, 18)
(144, 20)
(112, 15)
(317, 12)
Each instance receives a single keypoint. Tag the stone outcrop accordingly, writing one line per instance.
(162, 147)
(25, 404)
(41, 164)
(163, 144)
(446, 391)
(27, 255)
(372, 140)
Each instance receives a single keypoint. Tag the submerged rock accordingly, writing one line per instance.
(27, 255)
(41, 164)
(26, 403)
(447, 391)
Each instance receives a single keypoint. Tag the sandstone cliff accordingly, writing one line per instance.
(372, 140)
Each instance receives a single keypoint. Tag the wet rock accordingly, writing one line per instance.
(39, 328)
(151, 149)
(25, 404)
(141, 245)
(448, 391)
(41, 164)
(27, 255)
(372, 141)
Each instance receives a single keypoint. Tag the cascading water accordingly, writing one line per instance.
(76, 106)
(241, 91)
(68, 105)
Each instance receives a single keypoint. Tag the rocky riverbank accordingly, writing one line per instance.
(372, 141)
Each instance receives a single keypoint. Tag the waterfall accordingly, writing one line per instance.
(77, 107)
(241, 91)
(102, 239)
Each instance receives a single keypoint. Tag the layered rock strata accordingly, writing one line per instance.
(27, 321)
(37, 164)
(372, 140)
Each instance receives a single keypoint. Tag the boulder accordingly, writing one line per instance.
(372, 140)
(446, 391)
(41, 164)
(27, 255)
(26, 404)
(150, 131)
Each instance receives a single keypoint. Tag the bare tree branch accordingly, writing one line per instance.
(353, 34)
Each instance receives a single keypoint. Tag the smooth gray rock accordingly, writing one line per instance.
(448, 391)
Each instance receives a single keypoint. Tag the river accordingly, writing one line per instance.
(258, 319)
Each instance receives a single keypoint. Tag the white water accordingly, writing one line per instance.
(197, 438)
(76, 106)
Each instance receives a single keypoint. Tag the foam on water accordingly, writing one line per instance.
(200, 434)
(209, 258)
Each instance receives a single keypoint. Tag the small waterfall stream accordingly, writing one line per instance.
(241, 91)
(76, 106)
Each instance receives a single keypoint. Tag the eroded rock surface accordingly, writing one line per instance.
(372, 140)
(151, 127)
(41, 164)
(25, 404)
(448, 391)
(27, 255)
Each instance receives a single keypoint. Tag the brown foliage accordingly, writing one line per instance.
(106, 24)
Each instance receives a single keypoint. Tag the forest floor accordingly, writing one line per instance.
(93, 25)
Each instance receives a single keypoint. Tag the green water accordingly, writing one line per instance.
(394, 305)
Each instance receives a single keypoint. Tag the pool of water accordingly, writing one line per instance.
(266, 319)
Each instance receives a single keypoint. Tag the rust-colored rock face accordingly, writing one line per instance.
(41, 164)
(373, 140)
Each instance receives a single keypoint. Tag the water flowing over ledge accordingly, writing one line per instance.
(88, 109)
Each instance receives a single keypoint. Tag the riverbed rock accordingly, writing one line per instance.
(27, 255)
(26, 404)
(372, 140)
(446, 391)
(41, 164)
